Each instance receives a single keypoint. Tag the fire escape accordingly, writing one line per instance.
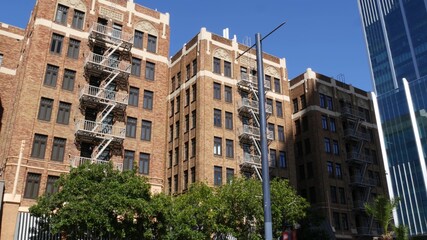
(104, 99)
(249, 133)
(356, 137)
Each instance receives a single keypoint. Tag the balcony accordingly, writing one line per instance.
(358, 205)
(250, 159)
(99, 130)
(353, 134)
(77, 161)
(99, 64)
(246, 105)
(352, 113)
(361, 181)
(96, 95)
(246, 132)
(106, 34)
(248, 81)
(358, 158)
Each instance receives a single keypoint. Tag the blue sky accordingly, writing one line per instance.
(323, 35)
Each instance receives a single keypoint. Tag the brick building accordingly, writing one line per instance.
(86, 81)
(337, 153)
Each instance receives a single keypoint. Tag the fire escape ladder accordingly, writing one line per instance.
(106, 111)
(110, 78)
(257, 171)
(255, 117)
(101, 147)
(256, 145)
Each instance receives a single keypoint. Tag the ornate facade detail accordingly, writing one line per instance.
(221, 53)
(362, 103)
(344, 96)
(103, 11)
(147, 27)
(325, 90)
(271, 71)
(76, 4)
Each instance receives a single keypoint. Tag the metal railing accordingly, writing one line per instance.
(248, 130)
(357, 134)
(251, 159)
(248, 80)
(360, 180)
(100, 128)
(348, 111)
(358, 157)
(245, 104)
(77, 161)
(110, 33)
(108, 62)
(104, 94)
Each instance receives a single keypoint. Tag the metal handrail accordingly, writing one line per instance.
(346, 110)
(100, 128)
(108, 62)
(254, 105)
(115, 35)
(76, 161)
(104, 94)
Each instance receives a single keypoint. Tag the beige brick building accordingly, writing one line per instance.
(337, 153)
(85, 81)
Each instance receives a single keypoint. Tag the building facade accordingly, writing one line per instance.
(396, 38)
(87, 83)
(213, 114)
(337, 154)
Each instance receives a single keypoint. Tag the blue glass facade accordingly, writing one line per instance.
(396, 38)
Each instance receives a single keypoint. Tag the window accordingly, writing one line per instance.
(194, 92)
(172, 107)
(332, 124)
(61, 14)
(73, 48)
(68, 81)
(148, 100)
(188, 71)
(298, 149)
(172, 84)
(39, 146)
(193, 119)
(307, 145)
(301, 172)
(327, 144)
(303, 102)
(178, 78)
(337, 222)
(228, 95)
(344, 221)
(277, 85)
(177, 127)
(272, 158)
(279, 109)
(78, 19)
(377, 179)
(187, 97)
(270, 103)
(50, 184)
(217, 117)
(63, 113)
(228, 120)
(227, 69)
(56, 43)
(282, 160)
(136, 67)
(170, 158)
(51, 75)
(1, 59)
(58, 149)
(267, 80)
(176, 155)
(322, 100)
(281, 133)
(270, 128)
(137, 39)
(193, 174)
(133, 96)
(146, 130)
(131, 127)
(217, 65)
(217, 146)
(330, 169)
(342, 195)
(295, 104)
(178, 104)
(170, 185)
(324, 122)
(229, 148)
(186, 151)
(187, 123)
(45, 109)
(149, 70)
(128, 160)
(194, 67)
(217, 176)
(185, 179)
(229, 175)
(144, 163)
(336, 147)
(329, 103)
(175, 183)
(152, 43)
(310, 172)
(193, 147)
(334, 198)
(217, 91)
(297, 127)
(304, 123)
(312, 194)
(32, 186)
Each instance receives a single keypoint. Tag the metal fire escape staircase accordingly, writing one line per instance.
(105, 97)
(250, 133)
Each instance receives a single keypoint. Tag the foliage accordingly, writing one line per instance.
(382, 210)
(401, 232)
(314, 227)
(97, 201)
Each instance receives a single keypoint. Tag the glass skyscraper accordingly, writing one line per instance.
(396, 38)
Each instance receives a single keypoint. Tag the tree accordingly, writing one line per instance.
(382, 210)
(401, 232)
(97, 201)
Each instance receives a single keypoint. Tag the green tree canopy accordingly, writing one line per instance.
(382, 210)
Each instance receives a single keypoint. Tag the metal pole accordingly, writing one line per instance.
(264, 150)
